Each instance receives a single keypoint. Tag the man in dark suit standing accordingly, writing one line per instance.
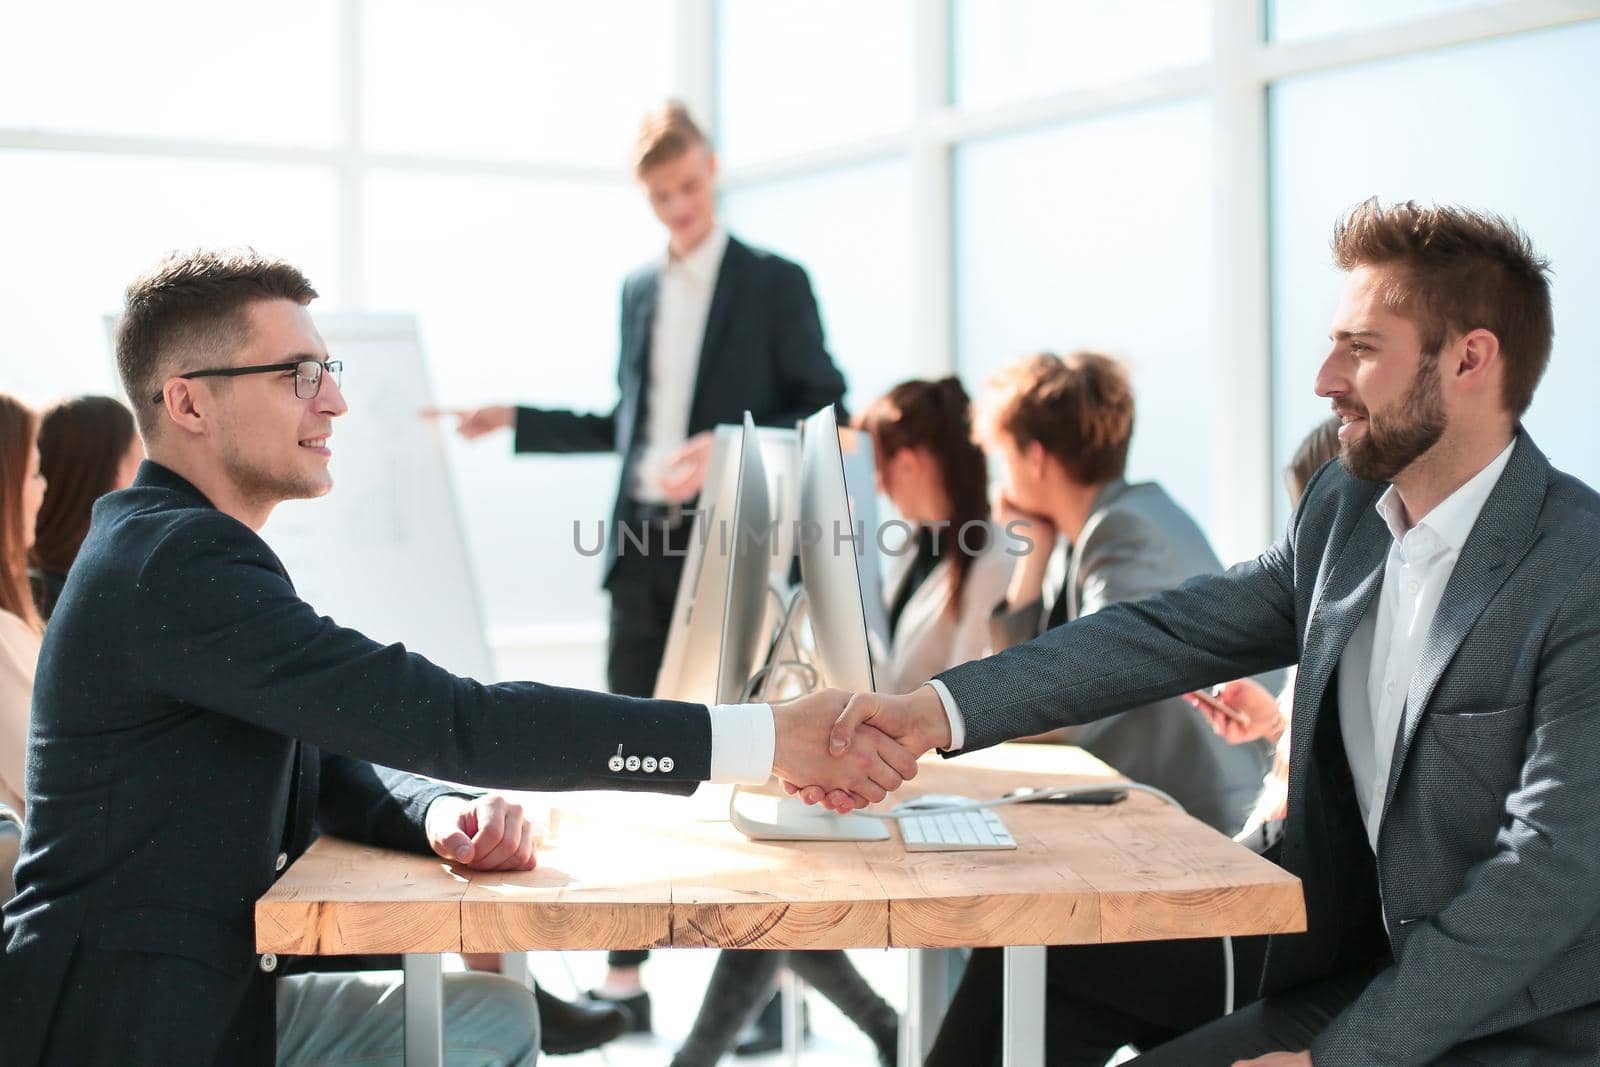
(714, 329)
(1440, 590)
(194, 720)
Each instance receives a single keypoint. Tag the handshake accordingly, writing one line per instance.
(845, 751)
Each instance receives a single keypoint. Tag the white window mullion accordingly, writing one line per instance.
(1242, 418)
(352, 276)
(932, 210)
(694, 66)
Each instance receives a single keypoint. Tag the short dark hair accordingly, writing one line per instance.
(1079, 407)
(194, 302)
(1457, 270)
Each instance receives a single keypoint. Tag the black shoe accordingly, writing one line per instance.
(566, 1027)
(636, 1007)
(766, 1033)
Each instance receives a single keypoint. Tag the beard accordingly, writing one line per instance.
(1393, 442)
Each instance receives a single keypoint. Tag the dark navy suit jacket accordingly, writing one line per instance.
(762, 352)
(192, 719)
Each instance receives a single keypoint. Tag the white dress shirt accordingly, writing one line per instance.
(1373, 676)
(683, 302)
(1376, 668)
(743, 739)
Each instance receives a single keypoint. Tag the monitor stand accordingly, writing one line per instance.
(762, 817)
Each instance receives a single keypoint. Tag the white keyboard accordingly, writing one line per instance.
(955, 831)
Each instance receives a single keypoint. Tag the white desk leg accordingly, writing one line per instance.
(927, 978)
(793, 999)
(424, 1009)
(1022, 1040)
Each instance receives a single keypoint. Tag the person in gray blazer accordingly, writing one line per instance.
(1062, 427)
(1440, 589)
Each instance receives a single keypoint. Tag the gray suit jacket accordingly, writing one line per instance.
(1138, 542)
(1488, 859)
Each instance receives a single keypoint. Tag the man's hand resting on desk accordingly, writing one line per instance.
(915, 722)
(488, 833)
(873, 767)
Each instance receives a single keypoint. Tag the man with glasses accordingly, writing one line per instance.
(195, 723)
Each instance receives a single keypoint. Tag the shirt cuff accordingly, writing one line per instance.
(743, 739)
(958, 725)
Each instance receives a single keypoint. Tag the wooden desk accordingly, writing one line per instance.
(642, 871)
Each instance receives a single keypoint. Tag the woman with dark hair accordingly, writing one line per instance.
(945, 585)
(88, 447)
(944, 588)
(21, 493)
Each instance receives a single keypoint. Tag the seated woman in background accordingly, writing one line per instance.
(87, 448)
(943, 587)
(21, 492)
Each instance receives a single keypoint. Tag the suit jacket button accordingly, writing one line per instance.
(269, 961)
(281, 862)
(666, 764)
(648, 764)
(633, 763)
(615, 763)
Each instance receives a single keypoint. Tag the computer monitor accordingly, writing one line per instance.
(861, 489)
(830, 576)
(830, 567)
(749, 550)
(720, 617)
(689, 664)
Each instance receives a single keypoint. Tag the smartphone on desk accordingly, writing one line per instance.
(1110, 795)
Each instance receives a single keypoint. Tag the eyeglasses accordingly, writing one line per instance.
(307, 375)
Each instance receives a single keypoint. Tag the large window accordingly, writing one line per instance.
(1020, 50)
(964, 181)
(77, 227)
(1097, 235)
(512, 80)
(851, 230)
(1299, 19)
(795, 75)
(190, 69)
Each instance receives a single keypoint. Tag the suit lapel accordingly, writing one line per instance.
(1506, 529)
(1341, 603)
(722, 300)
